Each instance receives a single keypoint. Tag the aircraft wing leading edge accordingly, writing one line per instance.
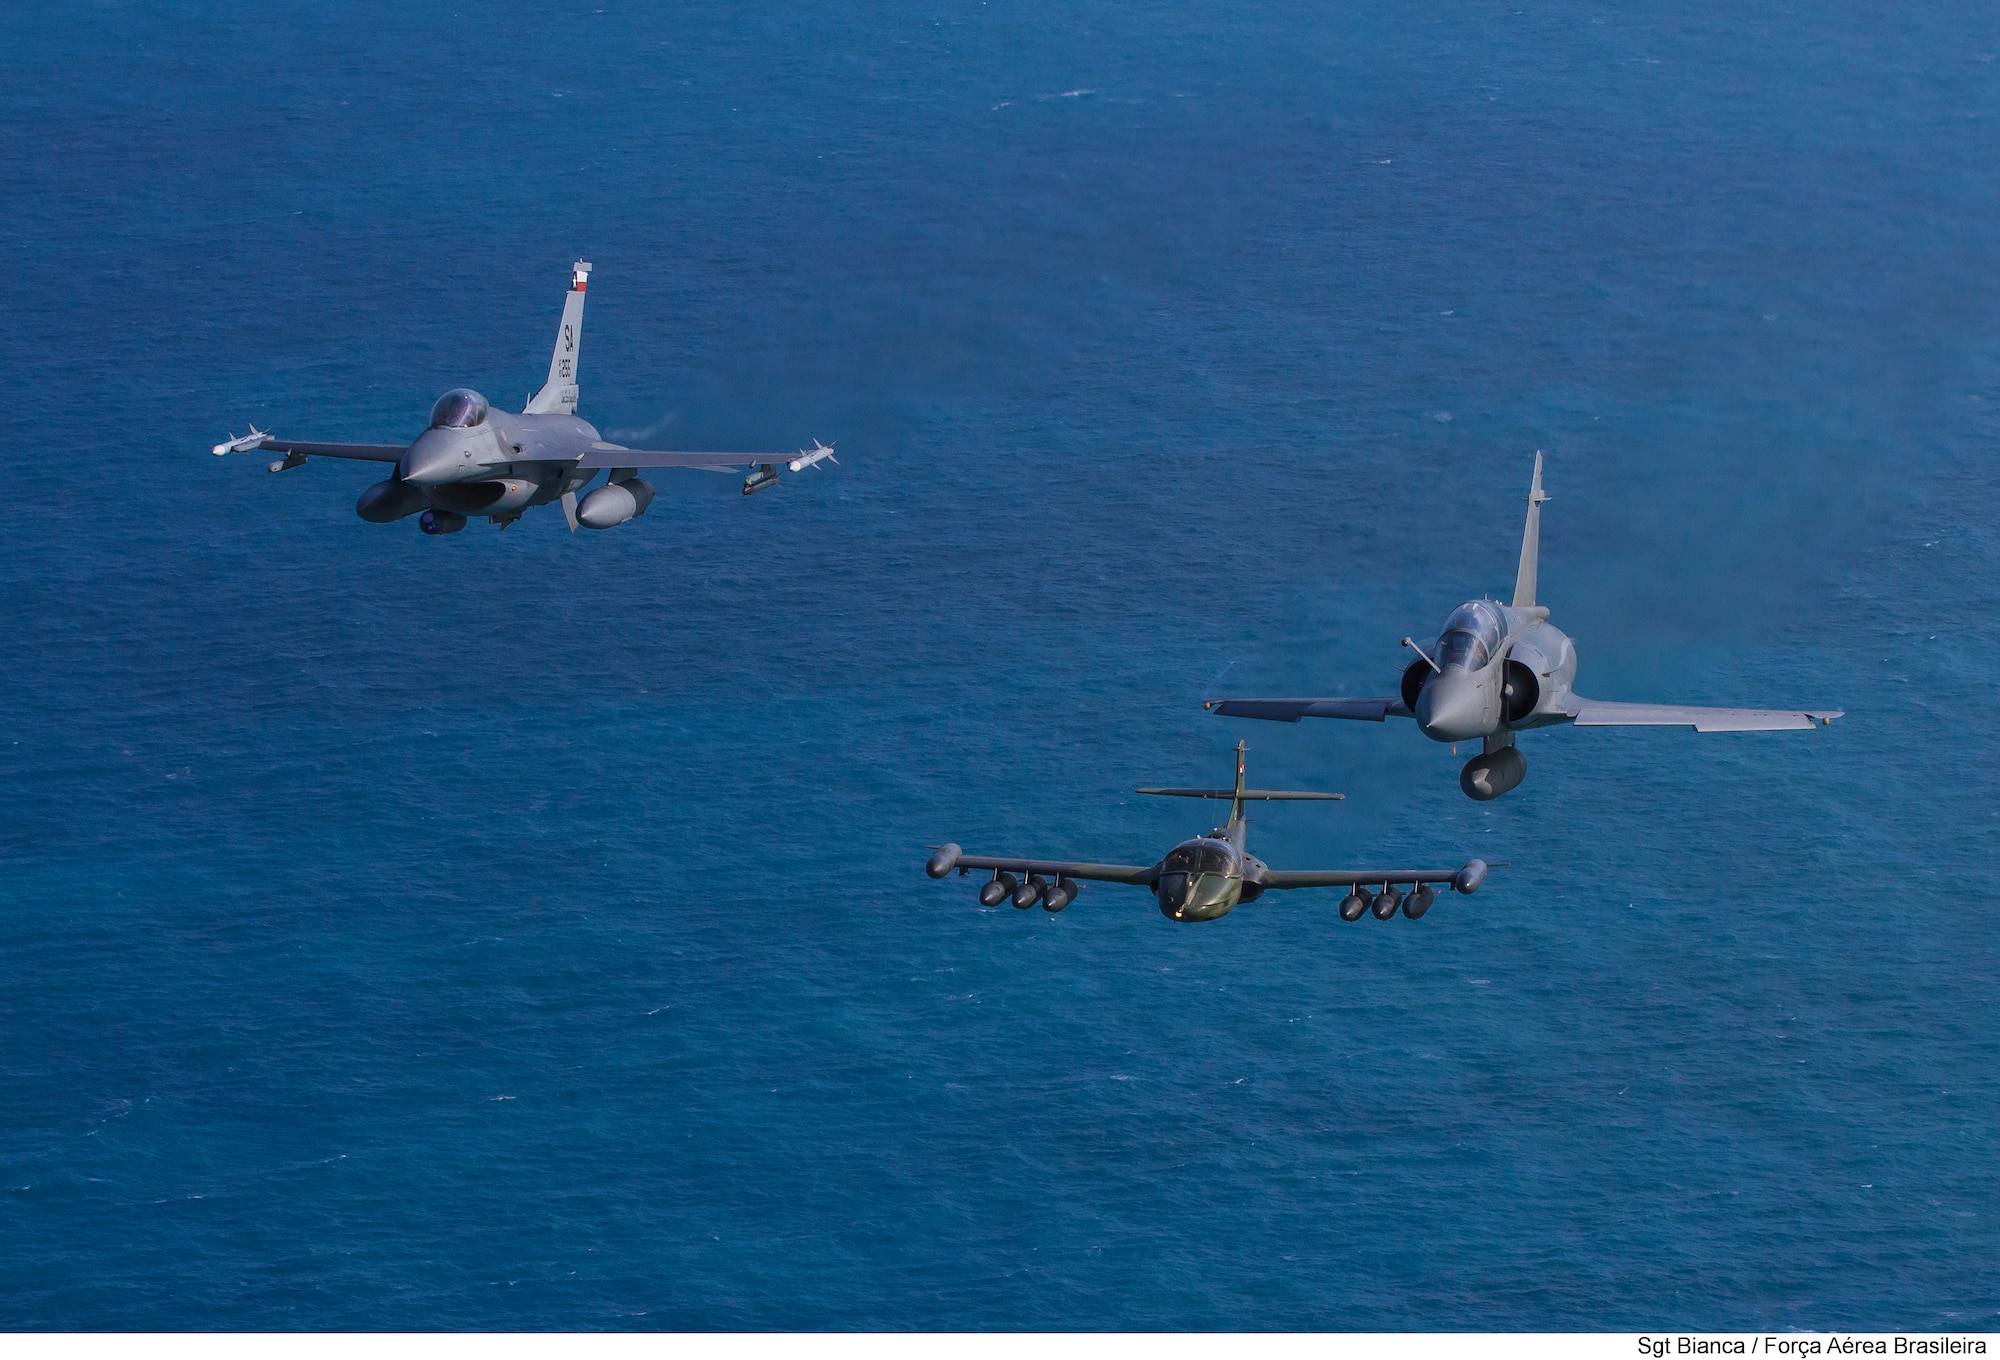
(1604, 713)
(1140, 874)
(656, 458)
(367, 453)
(1466, 879)
(1291, 710)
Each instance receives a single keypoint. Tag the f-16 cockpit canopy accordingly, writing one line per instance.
(1202, 856)
(459, 409)
(1472, 635)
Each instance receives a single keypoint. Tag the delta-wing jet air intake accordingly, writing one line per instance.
(1498, 669)
(477, 461)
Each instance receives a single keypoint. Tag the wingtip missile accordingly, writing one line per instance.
(813, 456)
(241, 443)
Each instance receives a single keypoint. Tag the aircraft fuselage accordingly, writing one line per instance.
(1207, 878)
(1498, 669)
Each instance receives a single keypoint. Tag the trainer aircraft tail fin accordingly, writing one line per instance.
(1531, 542)
(558, 394)
(1239, 795)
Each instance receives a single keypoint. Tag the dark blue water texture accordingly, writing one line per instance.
(527, 930)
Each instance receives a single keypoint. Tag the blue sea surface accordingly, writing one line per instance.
(527, 930)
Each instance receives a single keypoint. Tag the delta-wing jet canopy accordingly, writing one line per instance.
(474, 460)
(1496, 670)
(1209, 876)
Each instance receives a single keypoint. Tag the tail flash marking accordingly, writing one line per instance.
(1531, 542)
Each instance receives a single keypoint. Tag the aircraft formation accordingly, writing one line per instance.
(1493, 671)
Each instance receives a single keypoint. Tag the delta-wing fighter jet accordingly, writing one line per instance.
(1209, 876)
(1496, 670)
(474, 460)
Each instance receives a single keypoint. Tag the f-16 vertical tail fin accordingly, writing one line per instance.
(1531, 542)
(558, 394)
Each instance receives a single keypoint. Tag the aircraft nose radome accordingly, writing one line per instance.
(1449, 709)
(428, 462)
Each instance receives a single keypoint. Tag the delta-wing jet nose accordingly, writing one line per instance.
(1454, 707)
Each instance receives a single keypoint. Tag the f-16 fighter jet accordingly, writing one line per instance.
(1496, 670)
(474, 460)
(1207, 877)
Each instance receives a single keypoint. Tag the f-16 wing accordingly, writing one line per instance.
(949, 857)
(259, 442)
(603, 455)
(1465, 878)
(1603, 713)
(610, 455)
(1291, 710)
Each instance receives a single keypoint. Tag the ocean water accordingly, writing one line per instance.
(519, 930)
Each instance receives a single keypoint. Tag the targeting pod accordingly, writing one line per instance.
(440, 522)
(764, 476)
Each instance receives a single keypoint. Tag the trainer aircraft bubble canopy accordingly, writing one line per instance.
(474, 460)
(1211, 875)
(1496, 670)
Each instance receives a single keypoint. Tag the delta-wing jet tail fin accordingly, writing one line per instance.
(558, 394)
(1531, 542)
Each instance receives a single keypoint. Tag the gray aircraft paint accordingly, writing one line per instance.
(1207, 877)
(477, 461)
(1496, 670)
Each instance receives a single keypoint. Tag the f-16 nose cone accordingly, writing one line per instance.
(430, 461)
(1452, 708)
